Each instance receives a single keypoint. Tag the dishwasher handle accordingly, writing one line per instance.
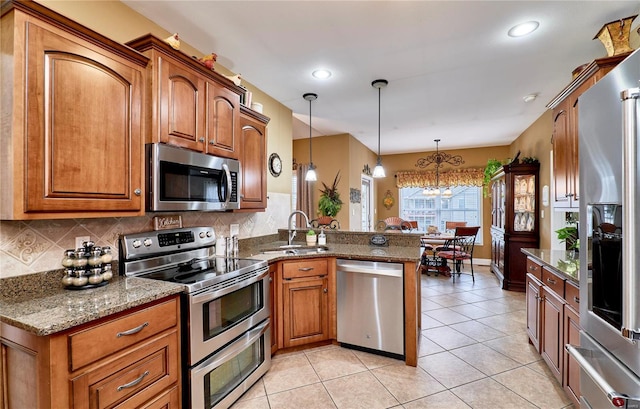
(347, 268)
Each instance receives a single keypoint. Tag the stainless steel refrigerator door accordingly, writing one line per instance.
(603, 156)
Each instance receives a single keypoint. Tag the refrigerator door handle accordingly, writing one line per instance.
(617, 399)
(630, 196)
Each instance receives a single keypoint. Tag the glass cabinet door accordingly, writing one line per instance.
(524, 202)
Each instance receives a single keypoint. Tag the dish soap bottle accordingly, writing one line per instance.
(322, 238)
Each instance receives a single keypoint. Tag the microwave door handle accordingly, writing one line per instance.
(226, 199)
(630, 195)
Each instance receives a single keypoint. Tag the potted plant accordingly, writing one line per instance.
(329, 203)
(492, 166)
(569, 236)
(311, 238)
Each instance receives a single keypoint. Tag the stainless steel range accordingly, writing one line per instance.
(225, 310)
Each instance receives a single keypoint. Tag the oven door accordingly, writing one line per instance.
(221, 379)
(219, 315)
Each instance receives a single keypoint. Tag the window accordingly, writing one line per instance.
(464, 205)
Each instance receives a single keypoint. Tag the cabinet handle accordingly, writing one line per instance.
(551, 281)
(569, 195)
(137, 192)
(132, 331)
(201, 140)
(133, 382)
(210, 142)
(324, 290)
(533, 268)
(576, 300)
(305, 268)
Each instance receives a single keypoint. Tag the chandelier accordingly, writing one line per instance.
(438, 158)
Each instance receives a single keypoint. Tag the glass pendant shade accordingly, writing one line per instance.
(447, 193)
(311, 174)
(378, 171)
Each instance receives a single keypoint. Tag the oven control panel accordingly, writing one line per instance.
(146, 244)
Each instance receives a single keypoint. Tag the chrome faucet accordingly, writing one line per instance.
(292, 231)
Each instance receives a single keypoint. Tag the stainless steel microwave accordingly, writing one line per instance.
(182, 180)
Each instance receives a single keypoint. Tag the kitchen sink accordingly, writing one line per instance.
(295, 250)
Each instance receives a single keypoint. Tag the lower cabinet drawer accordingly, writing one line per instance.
(306, 268)
(554, 282)
(91, 344)
(131, 379)
(534, 268)
(572, 295)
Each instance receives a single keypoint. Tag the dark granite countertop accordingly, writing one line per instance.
(38, 303)
(564, 263)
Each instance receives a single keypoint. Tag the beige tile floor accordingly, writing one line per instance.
(473, 353)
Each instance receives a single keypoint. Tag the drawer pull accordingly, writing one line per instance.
(305, 269)
(551, 281)
(533, 268)
(133, 382)
(576, 300)
(132, 331)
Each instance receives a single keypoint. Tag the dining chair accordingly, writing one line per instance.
(460, 248)
(451, 226)
(394, 223)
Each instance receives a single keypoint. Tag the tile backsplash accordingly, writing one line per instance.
(34, 246)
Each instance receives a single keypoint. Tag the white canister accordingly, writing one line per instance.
(221, 246)
(256, 106)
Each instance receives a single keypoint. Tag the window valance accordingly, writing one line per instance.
(449, 178)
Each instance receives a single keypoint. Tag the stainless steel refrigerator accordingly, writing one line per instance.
(609, 351)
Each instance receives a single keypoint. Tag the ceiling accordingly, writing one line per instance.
(453, 72)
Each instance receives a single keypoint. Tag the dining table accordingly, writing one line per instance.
(429, 261)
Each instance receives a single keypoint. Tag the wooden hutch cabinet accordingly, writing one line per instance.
(514, 222)
(565, 131)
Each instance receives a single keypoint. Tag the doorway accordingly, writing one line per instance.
(366, 198)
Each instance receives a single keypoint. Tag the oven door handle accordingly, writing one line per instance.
(212, 295)
(232, 349)
(617, 399)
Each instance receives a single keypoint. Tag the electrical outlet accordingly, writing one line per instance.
(80, 240)
(234, 229)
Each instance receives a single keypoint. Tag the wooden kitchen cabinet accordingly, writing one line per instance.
(515, 222)
(534, 310)
(552, 331)
(131, 359)
(305, 302)
(253, 160)
(273, 299)
(571, 375)
(191, 106)
(565, 131)
(72, 106)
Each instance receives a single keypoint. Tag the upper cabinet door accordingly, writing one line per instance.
(223, 127)
(83, 127)
(253, 161)
(181, 101)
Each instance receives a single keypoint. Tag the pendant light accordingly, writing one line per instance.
(378, 171)
(311, 173)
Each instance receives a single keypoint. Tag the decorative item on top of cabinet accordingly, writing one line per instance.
(514, 222)
(190, 105)
(253, 160)
(565, 130)
(63, 154)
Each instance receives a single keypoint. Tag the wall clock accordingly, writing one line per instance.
(275, 164)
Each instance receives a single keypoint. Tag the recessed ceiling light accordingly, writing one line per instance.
(321, 74)
(530, 97)
(523, 29)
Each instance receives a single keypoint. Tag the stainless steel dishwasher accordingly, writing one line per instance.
(371, 306)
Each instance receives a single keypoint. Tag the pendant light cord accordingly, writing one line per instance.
(379, 102)
(310, 157)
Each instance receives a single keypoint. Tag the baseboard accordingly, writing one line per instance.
(482, 261)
